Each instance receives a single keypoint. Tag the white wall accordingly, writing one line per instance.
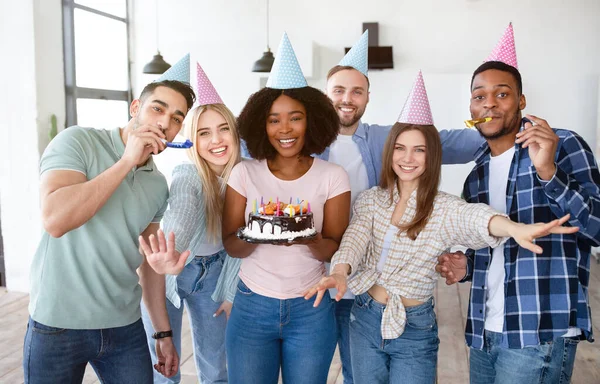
(32, 89)
(558, 48)
(558, 44)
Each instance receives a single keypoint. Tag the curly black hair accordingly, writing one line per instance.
(322, 122)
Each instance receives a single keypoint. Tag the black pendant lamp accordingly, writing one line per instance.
(157, 65)
(265, 63)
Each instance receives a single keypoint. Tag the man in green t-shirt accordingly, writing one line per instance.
(99, 191)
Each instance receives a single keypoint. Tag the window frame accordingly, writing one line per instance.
(72, 91)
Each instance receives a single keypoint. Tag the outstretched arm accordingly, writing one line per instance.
(154, 296)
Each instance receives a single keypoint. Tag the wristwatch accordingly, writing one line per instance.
(162, 335)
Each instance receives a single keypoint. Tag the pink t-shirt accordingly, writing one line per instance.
(279, 271)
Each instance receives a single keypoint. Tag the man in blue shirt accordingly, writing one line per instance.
(527, 311)
(358, 150)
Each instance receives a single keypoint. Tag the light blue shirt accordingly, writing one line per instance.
(186, 218)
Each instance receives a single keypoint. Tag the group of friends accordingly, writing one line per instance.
(109, 286)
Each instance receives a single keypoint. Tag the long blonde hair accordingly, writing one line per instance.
(429, 181)
(212, 190)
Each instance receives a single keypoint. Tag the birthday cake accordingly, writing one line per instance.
(278, 221)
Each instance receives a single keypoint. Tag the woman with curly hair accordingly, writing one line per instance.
(271, 325)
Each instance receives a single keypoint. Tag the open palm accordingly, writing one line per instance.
(162, 255)
(527, 233)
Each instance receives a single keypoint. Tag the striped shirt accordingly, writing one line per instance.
(546, 293)
(409, 270)
(186, 218)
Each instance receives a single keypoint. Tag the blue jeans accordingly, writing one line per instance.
(342, 322)
(195, 285)
(264, 334)
(544, 363)
(411, 358)
(57, 355)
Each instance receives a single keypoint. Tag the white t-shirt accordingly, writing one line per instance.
(494, 312)
(494, 304)
(345, 152)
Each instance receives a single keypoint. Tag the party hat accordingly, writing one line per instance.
(286, 72)
(180, 71)
(505, 49)
(416, 109)
(358, 56)
(207, 94)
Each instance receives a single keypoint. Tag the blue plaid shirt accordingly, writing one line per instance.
(545, 294)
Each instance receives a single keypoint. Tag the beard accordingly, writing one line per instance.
(350, 121)
(509, 128)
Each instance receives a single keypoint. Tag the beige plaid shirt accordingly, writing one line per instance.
(409, 270)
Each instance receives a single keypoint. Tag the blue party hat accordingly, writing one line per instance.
(286, 72)
(358, 56)
(180, 71)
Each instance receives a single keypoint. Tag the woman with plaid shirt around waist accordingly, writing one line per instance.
(402, 226)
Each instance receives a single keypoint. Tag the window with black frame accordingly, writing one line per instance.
(97, 65)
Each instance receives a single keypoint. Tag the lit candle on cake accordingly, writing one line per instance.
(277, 206)
(307, 207)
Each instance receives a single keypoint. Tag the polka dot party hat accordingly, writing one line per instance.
(286, 72)
(416, 109)
(180, 71)
(206, 92)
(358, 56)
(505, 50)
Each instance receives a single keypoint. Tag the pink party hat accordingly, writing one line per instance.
(207, 94)
(505, 50)
(416, 109)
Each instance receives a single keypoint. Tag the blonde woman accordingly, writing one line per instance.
(194, 221)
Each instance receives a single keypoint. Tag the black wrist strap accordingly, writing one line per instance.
(162, 335)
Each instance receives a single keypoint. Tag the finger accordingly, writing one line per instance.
(151, 128)
(169, 365)
(145, 247)
(151, 141)
(531, 246)
(564, 230)
(162, 243)
(564, 219)
(318, 299)
(171, 243)
(535, 132)
(537, 120)
(153, 243)
(310, 293)
(218, 312)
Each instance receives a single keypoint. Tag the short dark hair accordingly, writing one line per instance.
(500, 66)
(322, 122)
(339, 68)
(183, 88)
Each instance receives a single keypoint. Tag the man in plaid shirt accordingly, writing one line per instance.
(527, 311)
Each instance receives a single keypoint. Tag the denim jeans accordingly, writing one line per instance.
(264, 334)
(410, 358)
(342, 322)
(550, 363)
(57, 355)
(195, 285)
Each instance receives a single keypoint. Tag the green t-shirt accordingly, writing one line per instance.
(87, 278)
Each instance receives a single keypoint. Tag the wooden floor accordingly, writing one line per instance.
(451, 308)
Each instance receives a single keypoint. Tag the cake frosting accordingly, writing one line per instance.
(279, 222)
